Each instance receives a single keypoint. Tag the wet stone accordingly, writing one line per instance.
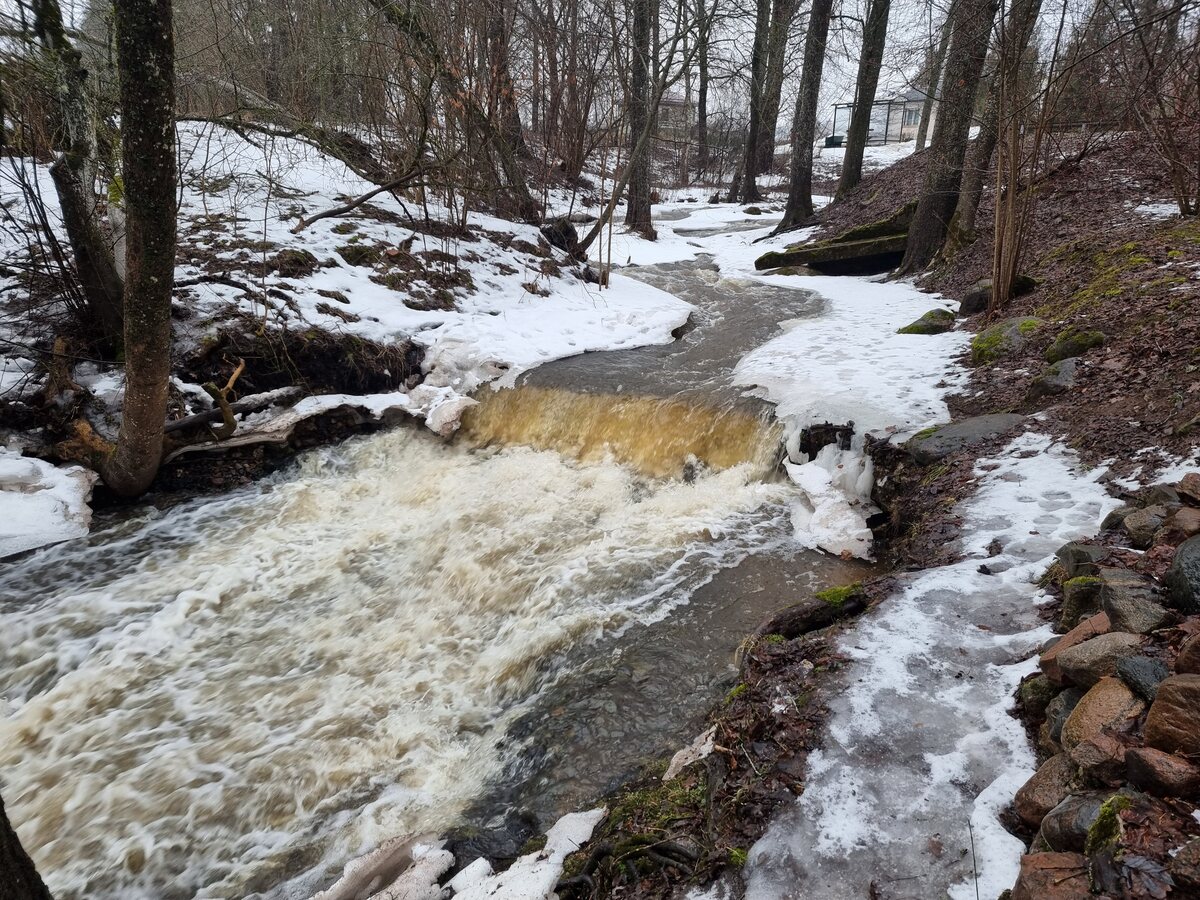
(1130, 602)
(1142, 524)
(1052, 876)
(1188, 660)
(1143, 674)
(1088, 662)
(1108, 705)
(1036, 694)
(1173, 724)
(1101, 759)
(1081, 598)
(1183, 579)
(941, 442)
(1164, 774)
(1058, 709)
(1048, 787)
(1066, 826)
(1185, 867)
(1116, 517)
(1085, 630)
(1080, 559)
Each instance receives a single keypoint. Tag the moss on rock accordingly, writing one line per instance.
(837, 596)
(936, 321)
(1071, 343)
(1106, 830)
(1002, 338)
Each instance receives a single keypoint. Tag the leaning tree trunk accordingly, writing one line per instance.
(934, 80)
(943, 172)
(1022, 19)
(782, 14)
(74, 175)
(758, 71)
(804, 126)
(637, 210)
(146, 68)
(869, 64)
(19, 879)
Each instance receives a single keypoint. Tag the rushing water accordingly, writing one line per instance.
(240, 694)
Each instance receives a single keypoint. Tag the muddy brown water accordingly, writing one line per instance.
(236, 696)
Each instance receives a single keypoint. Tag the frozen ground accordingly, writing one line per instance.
(922, 753)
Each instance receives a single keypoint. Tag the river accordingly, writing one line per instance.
(237, 695)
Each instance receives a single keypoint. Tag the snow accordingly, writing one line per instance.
(1167, 209)
(920, 741)
(40, 503)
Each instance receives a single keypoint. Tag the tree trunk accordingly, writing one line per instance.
(74, 175)
(146, 67)
(804, 126)
(702, 90)
(504, 93)
(936, 62)
(19, 879)
(782, 14)
(869, 64)
(1022, 19)
(637, 210)
(943, 173)
(758, 70)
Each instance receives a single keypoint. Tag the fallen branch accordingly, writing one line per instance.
(358, 201)
(246, 405)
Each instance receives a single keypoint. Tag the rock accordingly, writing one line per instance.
(1059, 710)
(935, 444)
(936, 321)
(838, 256)
(1079, 559)
(1086, 663)
(1109, 704)
(1052, 876)
(1071, 343)
(979, 295)
(822, 609)
(1085, 630)
(1173, 724)
(1161, 495)
(1046, 745)
(1066, 826)
(1036, 693)
(1116, 517)
(1001, 339)
(1101, 759)
(1048, 787)
(1130, 602)
(753, 210)
(1141, 524)
(1188, 488)
(1142, 674)
(1161, 773)
(502, 844)
(561, 233)
(1184, 868)
(1058, 379)
(1188, 660)
(792, 270)
(1081, 598)
(1183, 578)
(1179, 526)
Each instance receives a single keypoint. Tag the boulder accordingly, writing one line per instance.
(1003, 338)
(1036, 693)
(561, 233)
(1085, 630)
(935, 444)
(502, 844)
(1059, 710)
(821, 609)
(1173, 724)
(1188, 660)
(1143, 675)
(1188, 488)
(936, 321)
(1159, 494)
(1081, 598)
(1141, 524)
(1079, 559)
(833, 257)
(1086, 663)
(1130, 602)
(1101, 759)
(1164, 774)
(979, 295)
(1048, 787)
(1058, 379)
(792, 270)
(1052, 876)
(1179, 526)
(1116, 517)
(1066, 826)
(1183, 578)
(1108, 705)
(1071, 343)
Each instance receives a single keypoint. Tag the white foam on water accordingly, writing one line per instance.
(210, 701)
(922, 752)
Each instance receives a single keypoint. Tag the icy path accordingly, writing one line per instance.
(921, 752)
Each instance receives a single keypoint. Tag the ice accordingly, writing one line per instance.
(40, 503)
(922, 753)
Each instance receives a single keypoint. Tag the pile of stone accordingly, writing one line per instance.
(1111, 811)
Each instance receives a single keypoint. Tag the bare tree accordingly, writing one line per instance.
(943, 172)
(933, 80)
(804, 127)
(870, 62)
(758, 73)
(641, 105)
(783, 13)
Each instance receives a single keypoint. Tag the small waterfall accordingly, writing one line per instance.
(660, 438)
